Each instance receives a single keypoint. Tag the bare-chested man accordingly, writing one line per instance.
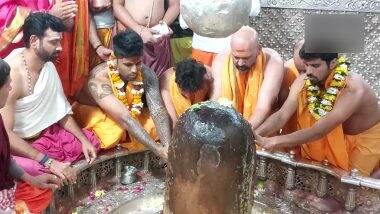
(37, 115)
(141, 16)
(250, 76)
(338, 116)
(293, 68)
(188, 83)
(113, 100)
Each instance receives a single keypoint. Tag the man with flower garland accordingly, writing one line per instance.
(338, 116)
(117, 94)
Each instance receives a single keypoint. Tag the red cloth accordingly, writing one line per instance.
(158, 56)
(37, 200)
(6, 181)
(73, 62)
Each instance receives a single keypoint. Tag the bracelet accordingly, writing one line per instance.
(98, 46)
(48, 163)
(44, 159)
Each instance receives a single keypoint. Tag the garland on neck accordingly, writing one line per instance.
(120, 89)
(322, 102)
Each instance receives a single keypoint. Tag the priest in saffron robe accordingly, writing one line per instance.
(37, 115)
(338, 116)
(122, 102)
(250, 76)
(184, 85)
(293, 68)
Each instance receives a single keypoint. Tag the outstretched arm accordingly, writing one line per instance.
(277, 120)
(156, 106)
(273, 75)
(101, 91)
(345, 106)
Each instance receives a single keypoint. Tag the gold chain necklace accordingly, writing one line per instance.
(136, 89)
(30, 91)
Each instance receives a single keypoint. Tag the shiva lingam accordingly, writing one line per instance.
(210, 162)
(210, 165)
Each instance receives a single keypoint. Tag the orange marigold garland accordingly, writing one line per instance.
(322, 102)
(120, 90)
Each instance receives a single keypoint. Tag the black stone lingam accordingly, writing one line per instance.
(210, 162)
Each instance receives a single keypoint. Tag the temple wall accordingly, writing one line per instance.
(281, 22)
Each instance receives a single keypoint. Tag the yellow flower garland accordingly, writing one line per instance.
(118, 84)
(320, 103)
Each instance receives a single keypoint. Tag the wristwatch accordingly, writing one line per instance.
(48, 163)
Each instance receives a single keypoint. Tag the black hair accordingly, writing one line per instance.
(4, 72)
(127, 44)
(189, 75)
(37, 23)
(327, 57)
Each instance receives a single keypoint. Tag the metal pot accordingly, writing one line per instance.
(215, 18)
(129, 175)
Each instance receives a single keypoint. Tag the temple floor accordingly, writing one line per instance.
(146, 196)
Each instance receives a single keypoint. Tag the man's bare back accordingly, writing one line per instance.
(367, 114)
(140, 11)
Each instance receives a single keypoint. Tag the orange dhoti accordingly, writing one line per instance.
(109, 132)
(364, 150)
(344, 151)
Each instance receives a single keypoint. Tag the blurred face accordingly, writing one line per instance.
(4, 92)
(129, 67)
(47, 47)
(244, 55)
(317, 70)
